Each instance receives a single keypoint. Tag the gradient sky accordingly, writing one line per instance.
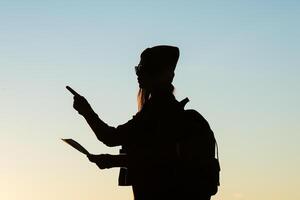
(239, 66)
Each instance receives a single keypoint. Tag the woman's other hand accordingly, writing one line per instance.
(103, 161)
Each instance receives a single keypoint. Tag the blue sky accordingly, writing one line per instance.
(239, 66)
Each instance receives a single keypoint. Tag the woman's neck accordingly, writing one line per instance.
(162, 91)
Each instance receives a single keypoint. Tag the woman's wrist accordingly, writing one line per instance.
(89, 113)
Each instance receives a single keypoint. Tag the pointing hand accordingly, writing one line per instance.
(80, 103)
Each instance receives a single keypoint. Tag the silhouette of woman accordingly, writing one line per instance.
(149, 138)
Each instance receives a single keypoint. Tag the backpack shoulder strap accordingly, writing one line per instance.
(183, 102)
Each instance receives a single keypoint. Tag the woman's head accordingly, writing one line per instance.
(155, 71)
(156, 67)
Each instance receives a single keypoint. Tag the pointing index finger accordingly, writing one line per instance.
(72, 91)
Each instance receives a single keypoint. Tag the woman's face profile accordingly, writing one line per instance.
(144, 77)
(149, 79)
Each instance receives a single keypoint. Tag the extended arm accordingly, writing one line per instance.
(108, 135)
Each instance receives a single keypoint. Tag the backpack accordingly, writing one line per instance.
(196, 165)
(197, 151)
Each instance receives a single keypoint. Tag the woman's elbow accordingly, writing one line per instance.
(108, 140)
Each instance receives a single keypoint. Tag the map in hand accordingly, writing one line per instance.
(76, 145)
